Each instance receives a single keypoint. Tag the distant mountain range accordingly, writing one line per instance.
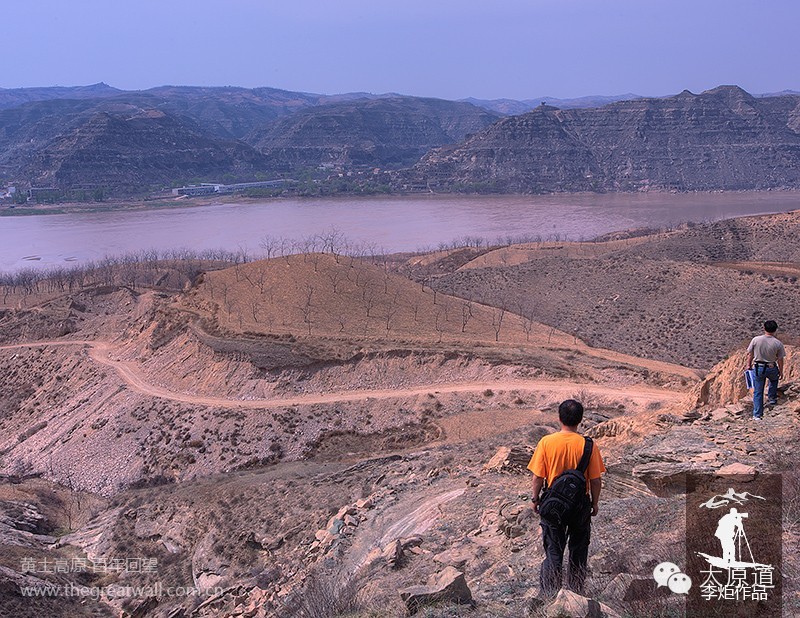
(134, 142)
(130, 142)
(721, 139)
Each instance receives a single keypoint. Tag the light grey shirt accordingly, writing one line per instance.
(766, 349)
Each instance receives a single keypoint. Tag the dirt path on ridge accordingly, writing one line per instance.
(99, 351)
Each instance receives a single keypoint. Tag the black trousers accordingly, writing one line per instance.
(575, 535)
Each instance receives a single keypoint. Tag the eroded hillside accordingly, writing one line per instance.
(689, 296)
(310, 434)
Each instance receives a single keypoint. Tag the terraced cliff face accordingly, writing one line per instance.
(127, 148)
(721, 139)
(389, 132)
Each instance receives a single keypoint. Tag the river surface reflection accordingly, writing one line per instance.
(392, 223)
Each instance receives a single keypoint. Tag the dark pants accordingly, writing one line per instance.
(762, 374)
(575, 535)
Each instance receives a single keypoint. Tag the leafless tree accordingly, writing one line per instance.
(498, 313)
(286, 248)
(369, 298)
(335, 275)
(270, 245)
(415, 309)
(315, 257)
(307, 306)
(386, 280)
(332, 241)
(438, 323)
(391, 310)
(526, 315)
(261, 279)
(466, 314)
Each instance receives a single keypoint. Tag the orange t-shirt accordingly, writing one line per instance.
(562, 451)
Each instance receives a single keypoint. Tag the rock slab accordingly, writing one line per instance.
(448, 586)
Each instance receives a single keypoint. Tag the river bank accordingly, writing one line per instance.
(170, 202)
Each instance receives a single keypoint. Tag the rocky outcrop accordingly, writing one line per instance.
(513, 459)
(721, 139)
(448, 586)
(725, 383)
(22, 524)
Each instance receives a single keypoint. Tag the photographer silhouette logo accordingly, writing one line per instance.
(736, 575)
(668, 574)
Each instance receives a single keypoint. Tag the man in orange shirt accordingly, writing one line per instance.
(554, 454)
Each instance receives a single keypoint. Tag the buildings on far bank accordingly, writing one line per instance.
(208, 188)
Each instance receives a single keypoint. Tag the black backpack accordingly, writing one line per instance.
(567, 495)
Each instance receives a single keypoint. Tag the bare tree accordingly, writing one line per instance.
(369, 298)
(261, 279)
(527, 324)
(315, 257)
(307, 307)
(332, 240)
(270, 245)
(498, 313)
(72, 505)
(335, 275)
(466, 314)
(446, 308)
(526, 316)
(391, 310)
(287, 248)
(438, 323)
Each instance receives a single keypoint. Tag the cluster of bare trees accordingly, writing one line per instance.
(141, 269)
(332, 242)
(482, 242)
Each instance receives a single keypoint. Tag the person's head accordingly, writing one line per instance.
(770, 326)
(570, 413)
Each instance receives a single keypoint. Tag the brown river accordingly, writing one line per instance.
(389, 223)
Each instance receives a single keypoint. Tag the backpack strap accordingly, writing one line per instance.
(587, 453)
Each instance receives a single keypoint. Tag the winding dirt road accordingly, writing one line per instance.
(128, 371)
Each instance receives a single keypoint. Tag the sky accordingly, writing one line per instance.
(450, 49)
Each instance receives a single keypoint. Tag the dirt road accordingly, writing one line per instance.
(100, 352)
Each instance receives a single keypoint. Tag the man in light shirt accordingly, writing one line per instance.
(765, 356)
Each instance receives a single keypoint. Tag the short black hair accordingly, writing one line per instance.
(570, 412)
(770, 326)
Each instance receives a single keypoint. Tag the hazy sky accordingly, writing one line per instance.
(443, 48)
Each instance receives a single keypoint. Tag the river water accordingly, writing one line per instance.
(391, 223)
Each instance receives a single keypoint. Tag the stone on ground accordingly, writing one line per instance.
(448, 586)
(568, 604)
